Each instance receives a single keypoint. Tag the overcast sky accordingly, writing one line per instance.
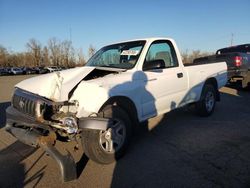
(194, 24)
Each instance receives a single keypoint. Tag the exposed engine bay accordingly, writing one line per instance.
(99, 72)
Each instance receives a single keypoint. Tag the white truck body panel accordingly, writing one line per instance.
(199, 74)
(56, 85)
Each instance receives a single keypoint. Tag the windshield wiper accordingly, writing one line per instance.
(105, 67)
(112, 66)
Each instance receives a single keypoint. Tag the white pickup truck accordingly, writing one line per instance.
(121, 85)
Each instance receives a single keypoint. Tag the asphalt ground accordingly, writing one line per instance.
(178, 149)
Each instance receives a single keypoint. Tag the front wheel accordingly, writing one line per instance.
(107, 146)
(206, 105)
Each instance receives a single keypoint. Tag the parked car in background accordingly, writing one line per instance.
(3, 71)
(41, 70)
(238, 62)
(8, 70)
(63, 68)
(15, 71)
(28, 70)
(52, 68)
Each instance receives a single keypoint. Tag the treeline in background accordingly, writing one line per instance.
(61, 54)
(55, 53)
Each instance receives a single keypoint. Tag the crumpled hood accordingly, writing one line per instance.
(55, 86)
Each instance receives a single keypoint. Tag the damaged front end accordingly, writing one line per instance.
(39, 122)
(58, 115)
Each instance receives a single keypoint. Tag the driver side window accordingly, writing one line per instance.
(163, 51)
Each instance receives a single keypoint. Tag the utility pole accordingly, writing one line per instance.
(232, 38)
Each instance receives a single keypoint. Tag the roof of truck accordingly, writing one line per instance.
(238, 48)
(147, 39)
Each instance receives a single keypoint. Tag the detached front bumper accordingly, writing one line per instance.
(34, 134)
(29, 131)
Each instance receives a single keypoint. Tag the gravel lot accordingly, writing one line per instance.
(177, 149)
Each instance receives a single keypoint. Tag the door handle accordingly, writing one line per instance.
(150, 80)
(180, 75)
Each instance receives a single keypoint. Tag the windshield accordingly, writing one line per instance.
(123, 55)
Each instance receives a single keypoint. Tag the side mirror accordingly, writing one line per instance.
(153, 64)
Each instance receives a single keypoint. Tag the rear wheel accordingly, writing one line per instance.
(245, 83)
(206, 105)
(107, 146)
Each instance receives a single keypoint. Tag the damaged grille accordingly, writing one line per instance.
(26, 102)
(24, 105)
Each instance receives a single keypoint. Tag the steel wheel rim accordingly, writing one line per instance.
(113, 138)
(209, 101)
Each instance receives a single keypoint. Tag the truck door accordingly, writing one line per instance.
(167, 85)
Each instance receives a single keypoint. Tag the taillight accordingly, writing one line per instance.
(237, 61)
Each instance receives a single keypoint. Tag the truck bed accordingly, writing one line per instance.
(235, 72)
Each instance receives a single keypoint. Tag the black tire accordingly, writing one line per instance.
(205, 107)
(92, 140)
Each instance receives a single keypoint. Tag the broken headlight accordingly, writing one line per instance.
(70, 125)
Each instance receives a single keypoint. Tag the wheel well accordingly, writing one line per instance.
(126, 104)
(213, 82)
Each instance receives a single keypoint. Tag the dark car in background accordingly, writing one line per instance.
(52, 68)
(41, 70)
(28, 70)
(15, 71)
(238, 62)
(3, 71)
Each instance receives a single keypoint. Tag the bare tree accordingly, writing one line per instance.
(20, 57)
(34, 47)
(67, 53)
(12, 60)
(55, 51)
(81, 59)
(28, 59)
(72, 59)
(189, 57)
(3, 56)
(45, 57)
(91, 50)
